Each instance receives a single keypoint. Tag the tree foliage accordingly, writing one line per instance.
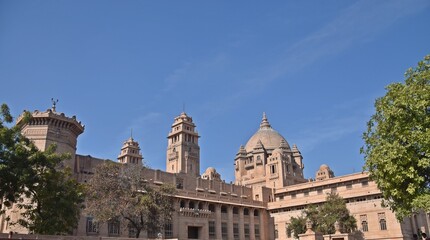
(297, 226)
(397, 142)
(324, 216)
(47, 197)
(119, 192)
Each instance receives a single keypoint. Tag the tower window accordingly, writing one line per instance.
(272, 169)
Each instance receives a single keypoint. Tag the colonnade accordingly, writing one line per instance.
(231, 221)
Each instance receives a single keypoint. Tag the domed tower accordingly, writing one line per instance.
(52, 127)
(130, 152)
(324, 172)
(267, 160)
(183, 151)
(211, 174)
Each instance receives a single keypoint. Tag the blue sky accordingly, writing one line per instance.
(315, 68)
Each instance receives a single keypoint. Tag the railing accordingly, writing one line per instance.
(217, 197)
(195, 212)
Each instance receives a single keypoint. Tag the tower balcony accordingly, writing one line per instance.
(249, 165)
(172, 156)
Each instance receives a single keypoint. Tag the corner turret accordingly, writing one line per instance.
(52, 127)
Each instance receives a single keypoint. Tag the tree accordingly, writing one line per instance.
(324, 216)
(119, 192)
(397, 142)
(47, 197)
(54, 203)
(297, 226)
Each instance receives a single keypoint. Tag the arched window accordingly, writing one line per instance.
(246, 211)
(364, 226)
(191, 205)
(256, 213)
(182, 204)
(383, 224)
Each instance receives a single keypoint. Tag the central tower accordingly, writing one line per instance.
(183, 151)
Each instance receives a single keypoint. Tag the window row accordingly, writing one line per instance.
(381, 219)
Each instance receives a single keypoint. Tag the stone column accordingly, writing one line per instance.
(427, 221)
(241, 224)
(218, 221)
(263, 223)
(230, 222)
(251, 224)
(175, 218)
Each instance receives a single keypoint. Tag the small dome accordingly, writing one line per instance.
(269, 137)
(211, 174)
(324, 167)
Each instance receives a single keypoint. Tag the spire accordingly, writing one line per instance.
(264, 122)
(241, 149)
(259, 145)
(283, 144)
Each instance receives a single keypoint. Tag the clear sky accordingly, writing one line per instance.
(315, 68)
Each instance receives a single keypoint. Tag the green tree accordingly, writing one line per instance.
(324, 216)
(119, 192)
(297, 226)
(397, 142)
(334, 209)
(49, 199)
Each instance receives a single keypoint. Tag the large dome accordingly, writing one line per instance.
(268, 136)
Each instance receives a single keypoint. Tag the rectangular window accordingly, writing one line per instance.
(349, 186)
(319, 191)
(276, 231)
(168, 230)
(235, 231)
(257, 232)
(212, 231)
(246, 229)
(92, 227)
(364, 183)
(306, 194)
(113, 228)
(273, 169)
(179, 183)
(293, 195)
(224, 231)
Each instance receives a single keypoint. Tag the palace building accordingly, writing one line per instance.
(269, 186)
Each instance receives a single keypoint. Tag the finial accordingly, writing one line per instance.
(131, 133)
(264, 122)
(54, 103)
